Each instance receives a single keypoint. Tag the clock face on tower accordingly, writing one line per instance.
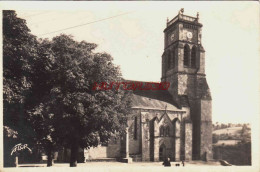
(185, 34)
(189, 35)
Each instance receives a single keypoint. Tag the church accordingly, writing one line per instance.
(175, 123)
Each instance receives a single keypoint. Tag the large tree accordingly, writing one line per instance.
(77, 116)
(48, 96)
(19, 50)
(39, 115)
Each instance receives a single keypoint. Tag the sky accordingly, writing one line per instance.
(132, 32)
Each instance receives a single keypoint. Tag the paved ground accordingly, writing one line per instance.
(119, 164)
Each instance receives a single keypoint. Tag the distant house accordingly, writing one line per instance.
(226, 142)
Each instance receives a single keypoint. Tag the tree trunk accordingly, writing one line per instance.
(74, 154)
(49, 160)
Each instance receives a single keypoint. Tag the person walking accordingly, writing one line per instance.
(182, 163)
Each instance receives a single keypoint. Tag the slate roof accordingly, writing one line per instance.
(153, 99)
(149, 103)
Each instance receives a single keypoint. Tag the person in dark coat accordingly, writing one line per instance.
(182, 163)
(167, 162)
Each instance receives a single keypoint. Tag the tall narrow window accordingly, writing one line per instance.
(135, 129)
(161, 131)
(193, 57)
(167, 131)
(186, 55)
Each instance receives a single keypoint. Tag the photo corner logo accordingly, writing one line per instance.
(20, 147)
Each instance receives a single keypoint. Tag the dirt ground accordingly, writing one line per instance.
(133, 164)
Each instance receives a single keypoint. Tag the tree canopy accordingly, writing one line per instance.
(80, 117)
(19, 50)
(51, 83)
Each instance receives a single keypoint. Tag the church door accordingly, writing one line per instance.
(162, 152)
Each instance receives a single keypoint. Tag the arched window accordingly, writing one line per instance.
(173, 57)
(186, 55)
(193, 57)
(167, 131)
(161, 131)
(169, 60)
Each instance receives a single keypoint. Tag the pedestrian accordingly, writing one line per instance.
(167, 162)
(182, 163)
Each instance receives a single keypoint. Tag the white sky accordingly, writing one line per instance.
(230, 37)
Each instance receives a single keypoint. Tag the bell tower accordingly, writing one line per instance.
(183, 65)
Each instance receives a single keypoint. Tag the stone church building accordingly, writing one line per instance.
(173, 123)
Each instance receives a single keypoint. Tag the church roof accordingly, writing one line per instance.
(144, 102)
(153, 99)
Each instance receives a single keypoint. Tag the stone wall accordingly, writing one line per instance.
(145, 136)
(178, 148)
(206, 130)
(206, 141)
(113, 150)
(196, 135)
(96, 153)
(156, 149)
(135, 143)
(188, 141)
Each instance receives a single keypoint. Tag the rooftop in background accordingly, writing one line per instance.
(227, 142)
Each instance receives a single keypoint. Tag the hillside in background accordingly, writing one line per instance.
(232, 142)
(230, 130)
